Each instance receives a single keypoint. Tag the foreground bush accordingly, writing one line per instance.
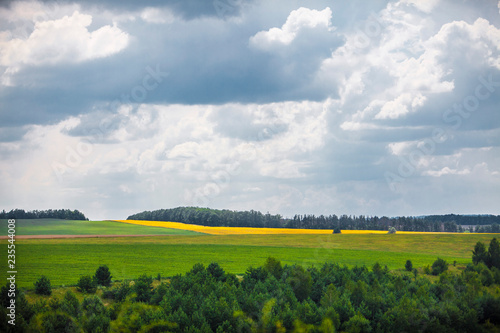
(97, 317)
(87, 284)
(286, 298)
(42, 286)
(439, 266)
(103, 276)
(54, 322)
(409, 265)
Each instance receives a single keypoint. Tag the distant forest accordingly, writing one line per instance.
(229, 218)
(65, 214)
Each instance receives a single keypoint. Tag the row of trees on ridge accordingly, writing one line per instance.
(229, 218)
(65, 214)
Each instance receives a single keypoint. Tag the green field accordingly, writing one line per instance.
(65, 260)
(79, 227)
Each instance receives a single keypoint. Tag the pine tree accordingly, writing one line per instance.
(103, 276)
(494, 254)
(409, 265)
(479, 254)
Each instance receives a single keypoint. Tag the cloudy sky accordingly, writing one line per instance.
(346, 107)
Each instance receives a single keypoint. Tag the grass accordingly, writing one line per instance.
(26, 227)
(65, 260)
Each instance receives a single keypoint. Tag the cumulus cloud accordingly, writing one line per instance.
(424, 5)
(298, 19)
(408, 85)
(188, 150)
(400, 106)
(446, 171)
(156, 15)
(478, 42)
(64, 40)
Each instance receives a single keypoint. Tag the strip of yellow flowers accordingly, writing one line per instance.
(245, 231)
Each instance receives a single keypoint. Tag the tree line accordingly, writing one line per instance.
(229, 218)
(212, 217)
(488, 256)
(65, 214)
(272, 298)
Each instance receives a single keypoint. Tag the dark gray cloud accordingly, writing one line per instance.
(11, 134)
(208, 62)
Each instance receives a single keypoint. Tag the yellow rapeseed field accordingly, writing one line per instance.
(243, 231)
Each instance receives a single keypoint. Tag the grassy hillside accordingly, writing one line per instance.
(79, 227)
(64, 260)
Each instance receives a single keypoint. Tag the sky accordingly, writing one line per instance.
(289, 107)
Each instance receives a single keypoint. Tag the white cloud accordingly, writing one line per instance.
(252, 189)
(64, 40)
(356, 126)
(23, 14)
(424, 5)
(407, 61)
(298, 19)
(478, 42)
(400, 106)
(284, 169)
(446, 171)
(400, 148)
(183, 148)
(155, 15)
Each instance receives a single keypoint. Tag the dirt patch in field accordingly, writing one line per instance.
(75, 236)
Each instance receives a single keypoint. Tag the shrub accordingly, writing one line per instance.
(159, 293)
(122, 291)
(301, 282)
(494, 254)
(70, 304)
(490, 309)
(377, 269)
(496, 274)
(358, 323)
(109, 293)
(4, 295)
(142, 288)
(96, 315)
(117, 293)
(103, 276)
(392, 230)
(273, 267)
(42, 286)
(479, 254)
(87, 284)
(54, 303)
(97, 323)
(54, 322)
(487, 278)
(439, 266)
(408, 265)
(93, 305)
(216, 271)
